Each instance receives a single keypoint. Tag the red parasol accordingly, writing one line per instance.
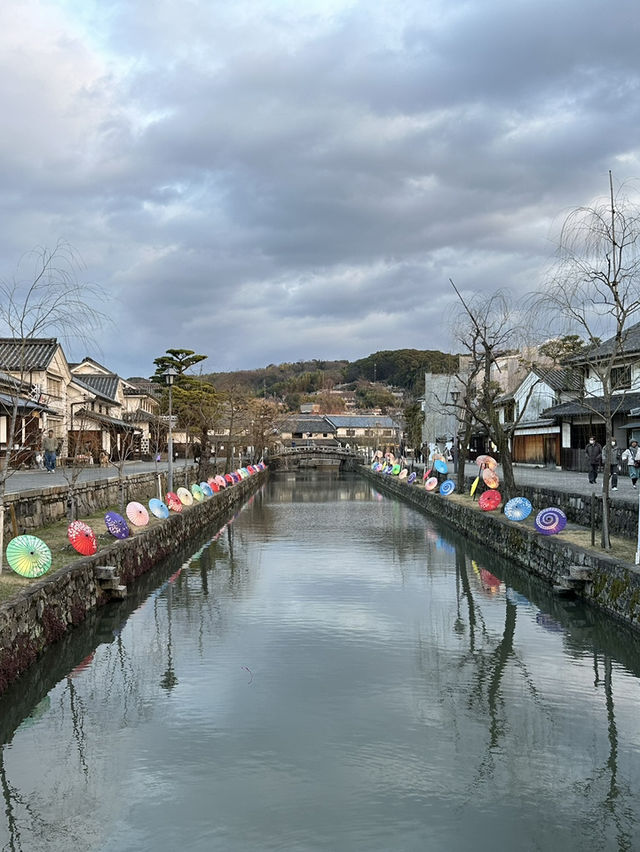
(490, 500)
(173, 501)
(82, 538)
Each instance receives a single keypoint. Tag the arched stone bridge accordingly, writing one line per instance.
(347, 458)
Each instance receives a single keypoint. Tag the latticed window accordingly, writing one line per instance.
(621, 377)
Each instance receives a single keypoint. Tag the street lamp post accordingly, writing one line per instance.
(169, 376)
(454, 396)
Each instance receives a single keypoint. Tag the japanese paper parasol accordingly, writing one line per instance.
(395, 470)
(441, 466)
(244, 473)
(474, 485)
(490, 500)
(447, 487)
(517, 509)
(404, 473)
(215, 487)
(490, 479)
(116, 525)
(173, 501)
(197, 492)
(158, 508)
(487, 461)
(374, 465)
(137, 514)
(431, 483)
(228, 479)
(222, 482)
(82, 538)
(185, 496)
(550, 521)
(28, 556)
(412, 477)
(206, 489)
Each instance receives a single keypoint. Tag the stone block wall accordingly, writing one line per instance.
(36, 508)
(43, 612)
(614, 585)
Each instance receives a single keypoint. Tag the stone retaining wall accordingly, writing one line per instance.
(614, 586)
(623, 516)
(36, 508)
(43, 612)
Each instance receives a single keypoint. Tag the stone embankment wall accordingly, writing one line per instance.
(623, 516)
(35, 509)
(43, 612)
(613, 586)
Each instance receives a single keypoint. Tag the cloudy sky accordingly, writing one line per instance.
(271, 180)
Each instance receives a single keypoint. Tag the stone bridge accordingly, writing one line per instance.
(347, 458)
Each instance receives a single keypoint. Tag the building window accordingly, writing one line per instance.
(621, 378)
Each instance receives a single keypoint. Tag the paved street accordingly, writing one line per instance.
(24, 480)
(576, 483)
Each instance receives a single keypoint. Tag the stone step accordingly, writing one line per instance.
(118, 594)
(109, 585)
(580, 572)
(104, 572)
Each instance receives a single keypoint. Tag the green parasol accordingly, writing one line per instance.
(29, 556)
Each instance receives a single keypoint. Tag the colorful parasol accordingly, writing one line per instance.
(404, 473)
(441, 466)
(198, 493)
(28, 556)
(490, 479)
(412, 477)
(137, 514)
(116, 525)
(431, 483)
(517, 509)
(206, 489)
(222, 482)
(395, 470)
(173, 501)
(550, 521)
(447, 487)
(487, 461)
(474, 485)
(158, 509)
(215, 488)
(426, 474)
(185, 496)
(228, 479)
(490, 500)
(82, 538)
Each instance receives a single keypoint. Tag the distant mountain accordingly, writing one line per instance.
(402, 368)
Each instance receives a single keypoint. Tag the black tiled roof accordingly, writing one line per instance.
(32, 354)
(621, 404)
(630, 346)
(106, 386)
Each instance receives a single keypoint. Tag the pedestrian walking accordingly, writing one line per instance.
(632, 457)
(613, 452)
(50, 449)
(594, 457)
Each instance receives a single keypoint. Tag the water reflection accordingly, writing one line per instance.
(328, 670)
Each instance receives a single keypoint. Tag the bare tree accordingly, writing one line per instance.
(491, 329)
(45, 296)
(594, 291)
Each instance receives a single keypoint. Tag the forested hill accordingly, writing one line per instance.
(403, 368)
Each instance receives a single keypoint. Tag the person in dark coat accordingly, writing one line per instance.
(594, 457)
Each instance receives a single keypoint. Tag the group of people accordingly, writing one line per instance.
(596, 455)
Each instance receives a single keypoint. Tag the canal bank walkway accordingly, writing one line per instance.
(568, 481)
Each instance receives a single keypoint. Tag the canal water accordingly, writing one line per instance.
(328, 671)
